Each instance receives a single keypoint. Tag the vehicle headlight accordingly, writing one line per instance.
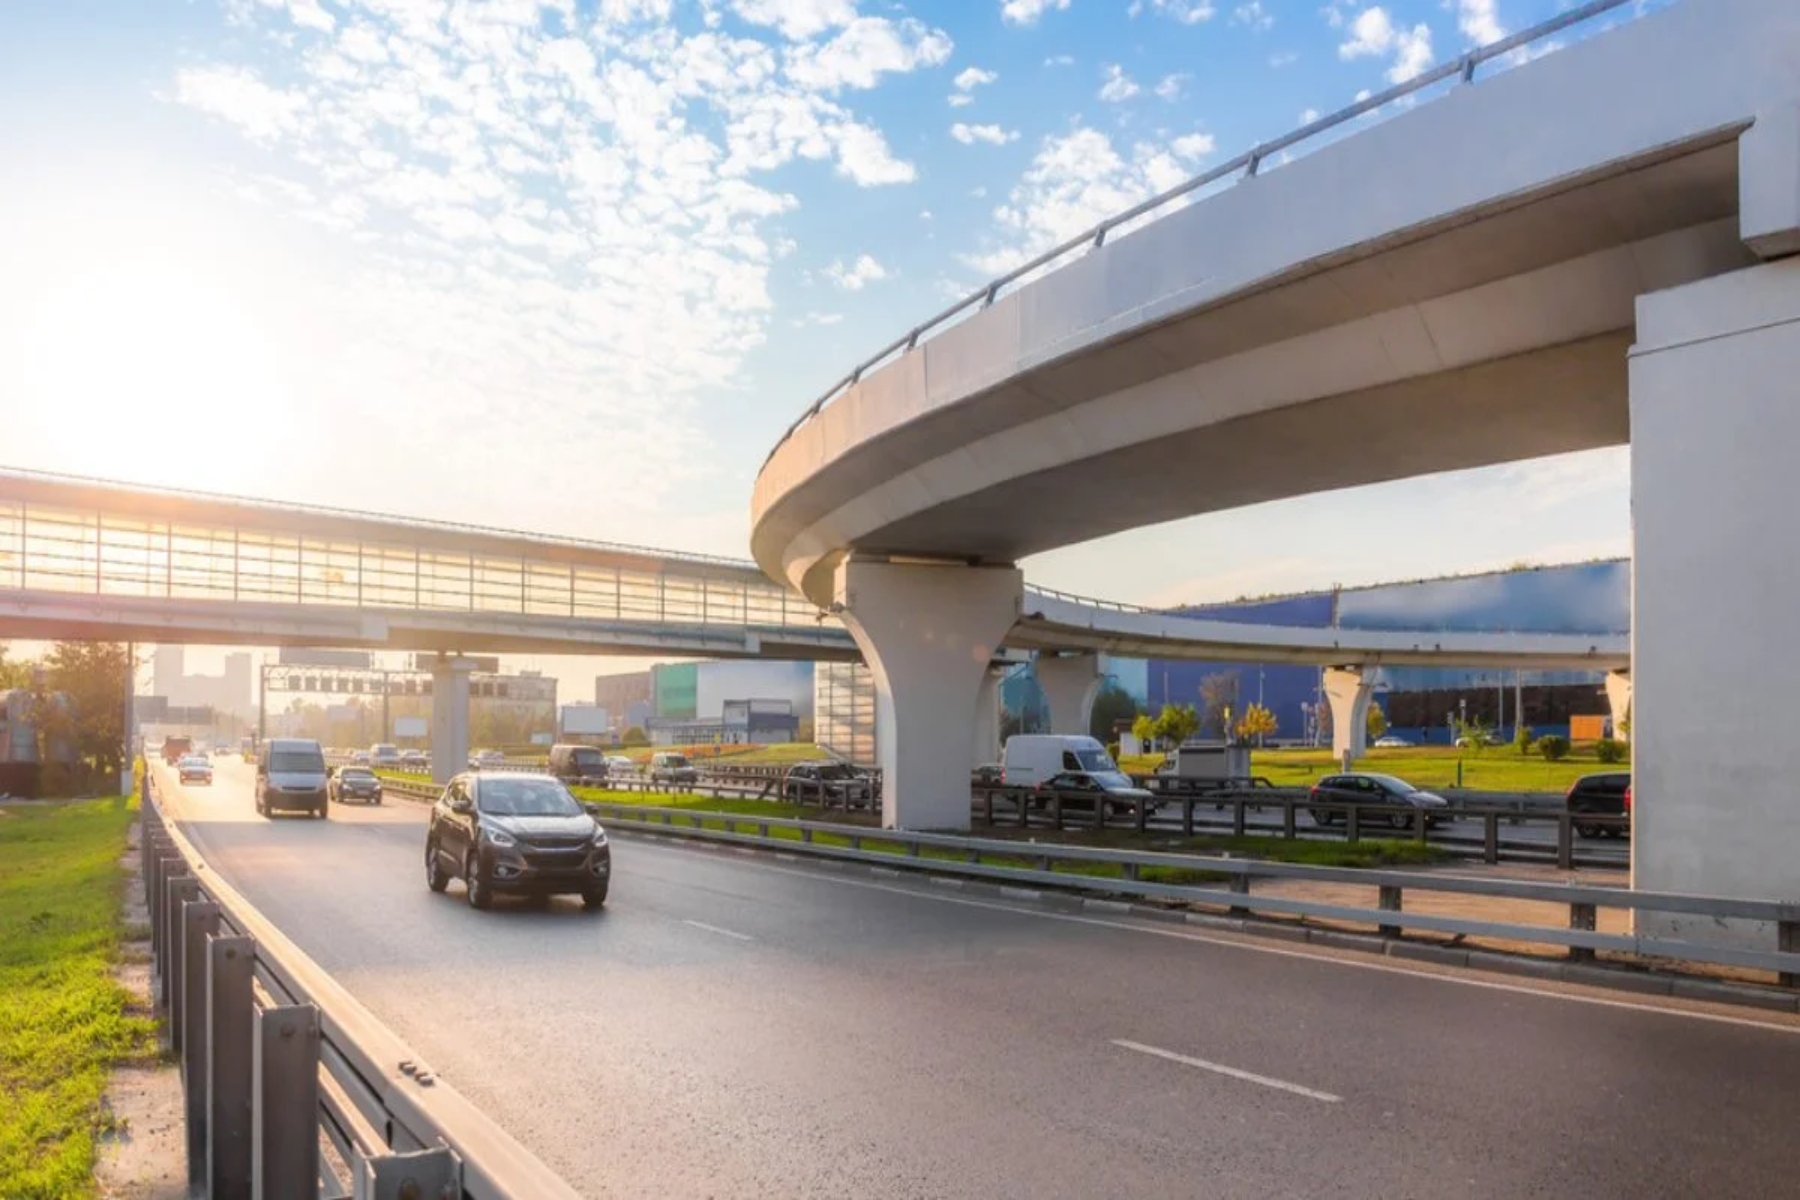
(599, 836)
(500, 837)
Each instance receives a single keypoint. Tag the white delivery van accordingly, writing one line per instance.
(291, 774)
(1081, 764)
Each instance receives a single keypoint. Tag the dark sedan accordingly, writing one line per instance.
(354, 783)
(1606, 796)
(1394, 800)
(519, 834)
(828, 783)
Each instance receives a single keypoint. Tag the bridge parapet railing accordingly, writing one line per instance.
(278, 1060)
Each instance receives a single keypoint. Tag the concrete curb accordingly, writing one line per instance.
(1589, 974)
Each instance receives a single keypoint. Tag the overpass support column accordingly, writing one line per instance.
(1070, 683)
(987, 720)
(1715, 584)
(1618, 699)
(1347, 691)
(928, 634)
(449, 716)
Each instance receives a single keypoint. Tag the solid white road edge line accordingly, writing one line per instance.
(1267, 1081)
(1282, 952)
(742, 937)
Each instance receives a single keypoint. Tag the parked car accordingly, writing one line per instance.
(1606, 794)
(669, 767)
(195, 768)
(1391, 742)
(1403, 802)
(828, 783)
(355, 783)
(579, 764)
(480, 760)
(291, 774)
(516, 833)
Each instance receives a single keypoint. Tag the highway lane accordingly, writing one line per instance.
(733, 1026)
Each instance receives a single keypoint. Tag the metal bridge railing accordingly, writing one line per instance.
(278, 1061)
(1244, 166)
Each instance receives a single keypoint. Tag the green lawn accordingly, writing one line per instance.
(1495, 769)
(745, 756)
(63, 1022)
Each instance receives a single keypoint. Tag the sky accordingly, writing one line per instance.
(572, 266)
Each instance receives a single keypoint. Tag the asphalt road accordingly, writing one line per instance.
(738, 1026)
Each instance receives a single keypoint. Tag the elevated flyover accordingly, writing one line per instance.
(1587, 249)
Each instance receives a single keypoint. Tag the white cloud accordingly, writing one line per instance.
(1374, 34)
(1284, 58)
(239, 97)
(925, 214)
(1169, 87)
(993, 135)
(1118, 86)
(816, 318)
(856, 275)
(1253, 14)
(797, 19)
(864, 50)
(1188, 12)
(1479, 21)
(1077, 180)
(1026, 12)
(972, 77)
(1060, 60)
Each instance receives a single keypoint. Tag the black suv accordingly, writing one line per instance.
(516, 833)
(1607, 794)
(578, 764)
(827, 783)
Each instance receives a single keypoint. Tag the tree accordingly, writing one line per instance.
(1218, 693)
(1177, 723)
(1378, 722)
(1522, 738)
(79, 710)
(1256, 723)
(1143, 728)
(1113, 705)
(13, 673)
(1473, 734)
(635, 736)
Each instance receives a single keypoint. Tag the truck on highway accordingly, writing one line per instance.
(175, 748)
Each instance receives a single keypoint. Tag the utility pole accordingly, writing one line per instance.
(262, 706)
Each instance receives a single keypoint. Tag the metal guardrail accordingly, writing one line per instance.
(279, 1062)
(1248, 163)
(971, 857)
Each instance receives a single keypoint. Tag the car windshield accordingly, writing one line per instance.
(1111, 779)
(1095, 760)
(357, 775)
(675, 760)
(193, 760)
(297, 761)
(587, 758)
(836, 771)
(1399, 786)
(384, 751)
(527, 798)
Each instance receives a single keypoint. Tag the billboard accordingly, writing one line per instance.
(584, 719)
(718, 682)
(675, 688)
(410, 727)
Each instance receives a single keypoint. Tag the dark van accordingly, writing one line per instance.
(578, 765)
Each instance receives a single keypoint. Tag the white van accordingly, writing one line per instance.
(1077, 763)
(290, 773)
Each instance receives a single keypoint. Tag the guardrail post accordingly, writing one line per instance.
(1142, 820)
(229, 1003)
(1287, 820)
(1240, 886)
(1352, 824)
(1582, 917)
(1187, 816)
(1237, 817)
(199, 921)
(178, 891)
(414, 1176)
(987, 806)
(1388, 900)
(1490, 836)
(1421, 827)
(1787, 940)
(285, 1114)
(1565, 842)
(1056, 809)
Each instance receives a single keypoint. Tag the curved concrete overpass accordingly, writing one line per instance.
(1440, 291)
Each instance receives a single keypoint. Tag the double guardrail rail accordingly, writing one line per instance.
(292, 1088)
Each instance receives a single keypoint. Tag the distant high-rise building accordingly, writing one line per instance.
(168, 667)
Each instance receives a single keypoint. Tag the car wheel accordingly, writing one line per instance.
(479, 895)
(1400, 820)
(1587, 831)
(320, 811)
(594, 898)
(435, 876)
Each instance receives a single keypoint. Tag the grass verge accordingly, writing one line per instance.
(63, 1019)
(1495, 769)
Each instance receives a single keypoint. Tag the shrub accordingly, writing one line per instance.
(1553, 747)
(1609, 750)
(1522, 739)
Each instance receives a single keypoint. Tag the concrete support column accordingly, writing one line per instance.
(1715, 582)
(449, 716)
(987, 720)
(1347, 691)
(1070, 683)
(928, 634)
(1618, 699)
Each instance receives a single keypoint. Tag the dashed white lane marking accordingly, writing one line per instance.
(742, 937)
(1267, 1081)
